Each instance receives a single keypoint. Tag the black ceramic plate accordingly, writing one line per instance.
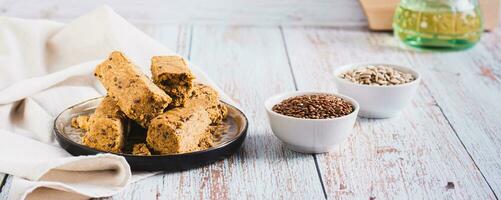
(232, 138)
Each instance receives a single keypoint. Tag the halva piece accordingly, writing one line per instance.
(172, 74)
(207, 98)
(178, 130)
(81, 122)
(140, 149)
(106, 127)
(137, 96)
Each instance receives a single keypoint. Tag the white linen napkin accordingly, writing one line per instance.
(46, 67)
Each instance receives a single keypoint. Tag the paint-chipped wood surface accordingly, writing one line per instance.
(445, 145)
(434, 143)
(263, 168)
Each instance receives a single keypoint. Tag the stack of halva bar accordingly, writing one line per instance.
(177, 112)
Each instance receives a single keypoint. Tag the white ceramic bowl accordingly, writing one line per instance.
(310, 135)
(378, 101)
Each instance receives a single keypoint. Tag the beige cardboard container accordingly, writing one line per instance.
(380, 13)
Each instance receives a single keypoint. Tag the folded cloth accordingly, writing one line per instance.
(46, 67)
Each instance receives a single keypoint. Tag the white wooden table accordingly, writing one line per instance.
(446, 145)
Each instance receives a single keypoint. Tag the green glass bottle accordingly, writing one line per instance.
(438, 24)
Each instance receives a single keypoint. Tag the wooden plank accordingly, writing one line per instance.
(414, 155)
(177, 38)
(243, 61)
(257, 12)
(467, 86)
(250, 64)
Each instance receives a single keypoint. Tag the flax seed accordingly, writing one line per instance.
(317, 106)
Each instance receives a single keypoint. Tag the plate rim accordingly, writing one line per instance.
(60, 135)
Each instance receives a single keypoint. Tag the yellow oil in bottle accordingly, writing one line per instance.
(438, 28)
